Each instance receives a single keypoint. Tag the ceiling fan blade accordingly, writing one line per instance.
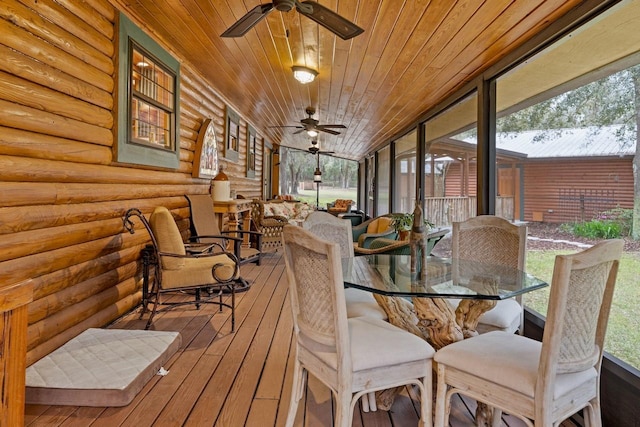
(333, 126)
(247, 22)
(298, 131)
(329, 131)
(333, 22)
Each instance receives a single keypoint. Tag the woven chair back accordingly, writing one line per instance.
(332, 229)
(314, 271)
(489, 240)
(579, 304)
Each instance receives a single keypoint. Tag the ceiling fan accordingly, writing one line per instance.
(314, 149)
(312, 126)
(335, 23)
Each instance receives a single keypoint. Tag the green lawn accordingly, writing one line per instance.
(623, 334)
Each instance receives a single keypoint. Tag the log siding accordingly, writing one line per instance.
(63, 194)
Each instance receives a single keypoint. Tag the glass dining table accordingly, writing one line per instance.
(391, 275)
(477, 286)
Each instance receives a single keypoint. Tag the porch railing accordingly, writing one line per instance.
(443, 211)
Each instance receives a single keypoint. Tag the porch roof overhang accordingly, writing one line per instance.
(465, 150)
(410, 58)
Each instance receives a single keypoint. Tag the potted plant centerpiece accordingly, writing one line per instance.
(402, 223)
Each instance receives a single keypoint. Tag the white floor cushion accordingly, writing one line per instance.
(100, 367)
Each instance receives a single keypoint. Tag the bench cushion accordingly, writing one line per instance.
(100, 367)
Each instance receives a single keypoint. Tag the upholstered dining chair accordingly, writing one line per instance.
(492, 240)
(541, 383)
(352, 356)
(178, 270)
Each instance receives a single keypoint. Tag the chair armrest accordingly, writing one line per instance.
(198, 255)
(365, 239)
(250, 232)
(434, 237)
(382, 245)
(214, 236)
(257, 238)
(359, 229)
(199, 248)
(275, 220)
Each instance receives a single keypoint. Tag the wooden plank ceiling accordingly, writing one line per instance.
(412, 54)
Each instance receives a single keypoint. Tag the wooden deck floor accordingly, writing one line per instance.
(225, 379)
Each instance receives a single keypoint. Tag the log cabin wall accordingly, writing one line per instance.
(62, 194)
(568, 190)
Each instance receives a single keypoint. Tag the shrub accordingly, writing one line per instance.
(622, 217)
(609, 224)
(597, 229)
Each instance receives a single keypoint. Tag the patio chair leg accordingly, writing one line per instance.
(153, 311)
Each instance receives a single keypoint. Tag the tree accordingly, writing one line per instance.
(348, 172)
(613, 100)
(341, 172)
(298, 165)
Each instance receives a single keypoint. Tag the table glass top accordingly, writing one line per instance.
(445, 278)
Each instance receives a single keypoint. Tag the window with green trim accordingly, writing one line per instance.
(148, 100)
(152, 95)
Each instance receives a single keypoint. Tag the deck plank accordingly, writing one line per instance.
(225, 379)
(241, 395)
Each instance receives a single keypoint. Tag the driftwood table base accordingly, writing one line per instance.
(434, 320)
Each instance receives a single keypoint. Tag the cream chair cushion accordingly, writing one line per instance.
(507, 359)
(366, 334)
(168, 236)
(362, 303)
(505, 316)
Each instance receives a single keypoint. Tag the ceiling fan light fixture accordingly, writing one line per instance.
(317, 176)
(312, 133)
(303, 74)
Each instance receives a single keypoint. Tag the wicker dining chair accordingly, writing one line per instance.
(495, 241)
(337, 230)
(541, 383)
(331, 228)
(352, 357)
